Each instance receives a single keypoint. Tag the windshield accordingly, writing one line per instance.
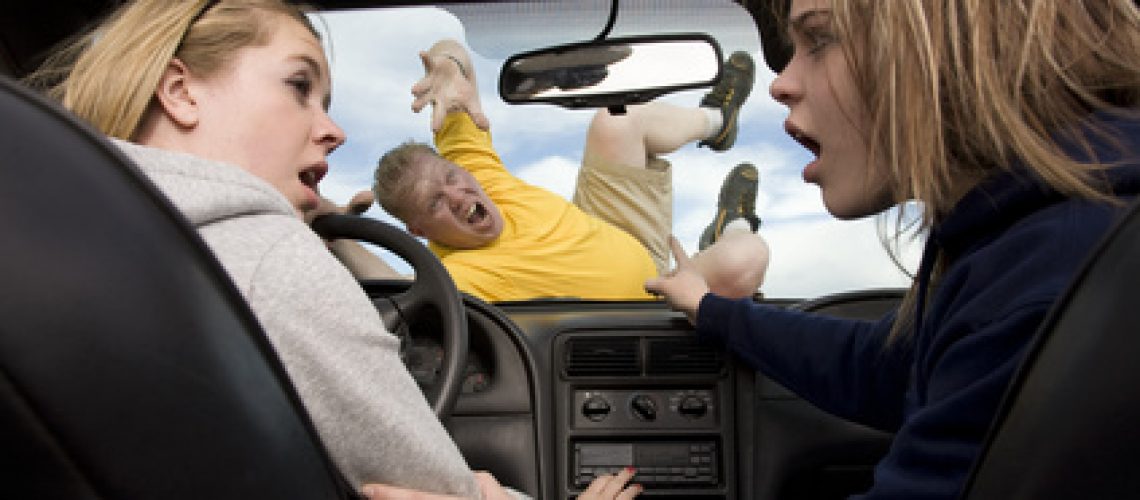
(374, 61)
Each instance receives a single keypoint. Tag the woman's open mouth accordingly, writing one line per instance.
(805, 140)
(312, 176)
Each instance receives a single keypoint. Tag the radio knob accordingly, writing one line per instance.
(596, 408)
(644, 407)
(693, 407)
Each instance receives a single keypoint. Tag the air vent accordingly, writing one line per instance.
(682, 356)
(603, 356)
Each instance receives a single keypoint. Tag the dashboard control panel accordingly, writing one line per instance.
(668, 408)
(656, 400)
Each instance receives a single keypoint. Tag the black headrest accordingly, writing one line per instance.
(130, 367)
(1069, 426)
(766, 14)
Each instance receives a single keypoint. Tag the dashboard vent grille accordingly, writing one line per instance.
(682, 356)
(603, 356)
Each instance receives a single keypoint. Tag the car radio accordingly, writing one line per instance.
(690, 463)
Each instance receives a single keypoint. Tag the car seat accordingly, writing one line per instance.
(130, 366)
(1069, 426)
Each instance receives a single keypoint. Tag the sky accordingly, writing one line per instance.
(374, 61)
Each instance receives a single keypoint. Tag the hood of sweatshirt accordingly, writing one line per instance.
(206, 191)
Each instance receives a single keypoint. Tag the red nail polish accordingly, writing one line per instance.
(630, 470)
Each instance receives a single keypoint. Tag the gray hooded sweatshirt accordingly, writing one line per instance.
(368, 410)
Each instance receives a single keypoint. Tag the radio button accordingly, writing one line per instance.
(693, 407)
(644, 407)
(596, 408)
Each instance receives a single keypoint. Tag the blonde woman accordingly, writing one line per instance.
(1016, 126)
(223, 105)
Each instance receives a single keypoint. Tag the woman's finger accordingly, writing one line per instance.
(617, 484)
(630, 492)
(596, 486)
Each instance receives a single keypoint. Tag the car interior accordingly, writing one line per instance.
(131, 368)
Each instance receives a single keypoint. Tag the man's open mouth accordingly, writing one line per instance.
(476, 213)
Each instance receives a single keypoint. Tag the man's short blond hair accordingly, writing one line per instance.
(396, 176)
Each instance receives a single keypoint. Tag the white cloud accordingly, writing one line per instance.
(555, 173)
(817, 256)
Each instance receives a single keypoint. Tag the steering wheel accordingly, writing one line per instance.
(432, 287)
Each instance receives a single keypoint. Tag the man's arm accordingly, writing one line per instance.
(362, 263)
(448, 85)
(461, 130)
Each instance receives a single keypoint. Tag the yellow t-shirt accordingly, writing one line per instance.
(548, 247)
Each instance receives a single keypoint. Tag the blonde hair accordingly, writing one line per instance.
(958, 90)
(395, 176)
(108, 76)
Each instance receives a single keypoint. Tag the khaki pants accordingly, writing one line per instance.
(634, 199)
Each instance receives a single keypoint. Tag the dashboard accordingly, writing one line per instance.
(557, 392)
(423, 354)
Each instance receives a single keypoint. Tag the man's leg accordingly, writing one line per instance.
(735, 265)
(733, 258)
(727, 96)
(645, 131)
(624, 180)
(636, 199)
(656, 129)
(736, 200)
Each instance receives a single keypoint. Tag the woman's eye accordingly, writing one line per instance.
(302, 85)
(818, 39)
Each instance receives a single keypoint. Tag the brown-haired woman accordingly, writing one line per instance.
(1015, 126)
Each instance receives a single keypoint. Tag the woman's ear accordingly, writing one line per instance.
(175, 96)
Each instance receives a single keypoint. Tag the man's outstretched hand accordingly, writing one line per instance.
(448, 85)
(359, 204)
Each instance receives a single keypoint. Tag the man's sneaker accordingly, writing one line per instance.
(729, 95)
(737, 200)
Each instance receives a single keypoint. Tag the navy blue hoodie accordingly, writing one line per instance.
(1011, 246)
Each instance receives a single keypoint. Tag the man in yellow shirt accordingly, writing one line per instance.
(504, 239)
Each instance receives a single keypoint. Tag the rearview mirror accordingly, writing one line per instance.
(611, 72)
